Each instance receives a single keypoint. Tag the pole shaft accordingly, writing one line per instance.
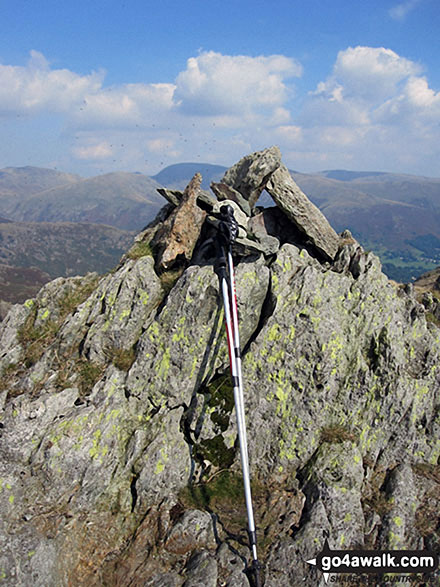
(232, 332)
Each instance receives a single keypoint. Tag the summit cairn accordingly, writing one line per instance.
(295, 219)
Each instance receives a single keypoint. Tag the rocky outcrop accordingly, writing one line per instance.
(119, 462)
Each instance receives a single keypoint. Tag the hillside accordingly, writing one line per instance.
(17, 184)
(119, 460)
(177, 176)
(62, 248)
(17, 284)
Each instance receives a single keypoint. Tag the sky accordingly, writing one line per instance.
(92, 87)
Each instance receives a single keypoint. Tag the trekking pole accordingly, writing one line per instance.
(228, 230)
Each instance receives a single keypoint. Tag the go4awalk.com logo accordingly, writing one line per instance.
(379, 562)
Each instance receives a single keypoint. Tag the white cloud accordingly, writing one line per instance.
(365, 84)
(289, 133)
(400, 11)
(217, 85)
(35, 87)
(422, 96)
(374, 110)
(97, 151)
(125, 105)
(370, 73)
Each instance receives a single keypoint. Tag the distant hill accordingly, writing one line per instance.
(124, 200)
(411, 189)
(19, 183)
(344, 175)
(30, 180)
(62, 249)
(127, 201)
(177, 176)
(429, 281)
(395, 215)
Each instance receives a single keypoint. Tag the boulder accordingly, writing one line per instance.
(226, 192)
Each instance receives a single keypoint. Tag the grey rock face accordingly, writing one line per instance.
(119, 459)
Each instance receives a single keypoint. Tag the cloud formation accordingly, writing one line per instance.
(35, 87)
(379, 105)
(224, 85)
(375, 109)
(400, 11)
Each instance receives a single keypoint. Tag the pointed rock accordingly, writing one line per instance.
(174, 197)
(300, 210)
(174, 242)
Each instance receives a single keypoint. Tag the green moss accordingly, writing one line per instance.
(89, 374)
(164, 364)
(72, 299)
(215, 451)
(160, 465)
(219, 491)
(169, 278)
(35, 340)
(8, 374)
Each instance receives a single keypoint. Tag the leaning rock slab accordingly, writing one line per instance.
(300, 210)
(249, 176)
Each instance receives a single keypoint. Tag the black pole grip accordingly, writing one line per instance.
(228, 226)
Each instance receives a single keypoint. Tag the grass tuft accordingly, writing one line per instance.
(336, 434)
(139, 250)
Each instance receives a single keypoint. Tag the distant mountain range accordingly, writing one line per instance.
(395, 215)
(127, 201)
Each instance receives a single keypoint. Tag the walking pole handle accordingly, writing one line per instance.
(228, 227)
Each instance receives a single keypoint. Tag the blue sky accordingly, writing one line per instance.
(93, 87)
